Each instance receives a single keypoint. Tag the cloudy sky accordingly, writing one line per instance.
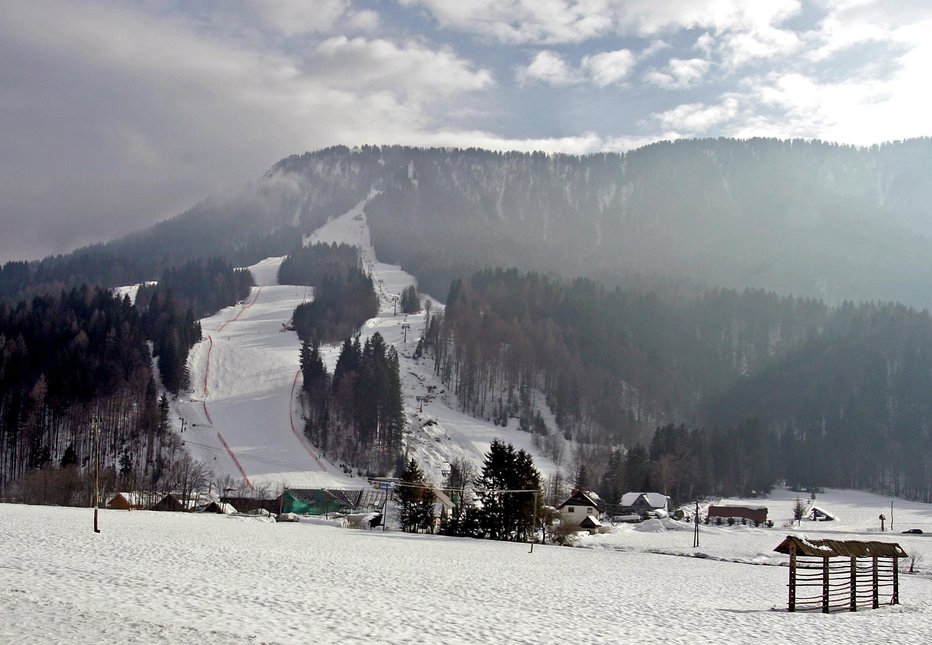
(114, 115)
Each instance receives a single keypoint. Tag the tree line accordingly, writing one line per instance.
(356, 415)
(69, 364)
(344, 296)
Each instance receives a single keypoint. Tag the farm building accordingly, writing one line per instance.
(172, 503)
(127, 501)
(216, 507)
(752, 513)
(321, 501)
(251, 504)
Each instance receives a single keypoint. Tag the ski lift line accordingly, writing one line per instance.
(294, 430)
(236, 461)
(485, 490)
(240, 312)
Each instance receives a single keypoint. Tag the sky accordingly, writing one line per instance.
(115, 115)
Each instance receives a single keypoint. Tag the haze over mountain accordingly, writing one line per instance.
(802, 218)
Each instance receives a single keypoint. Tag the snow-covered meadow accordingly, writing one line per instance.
(177, 578)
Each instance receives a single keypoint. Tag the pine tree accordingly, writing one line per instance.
(410, 301)
(507, 515)
(416, 499)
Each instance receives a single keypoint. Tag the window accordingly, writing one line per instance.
(571, 509)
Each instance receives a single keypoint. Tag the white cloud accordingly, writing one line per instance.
(295, 17)
(607, 68)
(655, 47)
(361, 64)
(545, 22)
(679, 73)
(698, 118)
(705, 43)
(601, 69)
(366, 21)
(547, 67)
(552, 22)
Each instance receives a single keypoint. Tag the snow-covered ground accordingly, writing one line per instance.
(858, 519)
(178, 578)
(242, 417)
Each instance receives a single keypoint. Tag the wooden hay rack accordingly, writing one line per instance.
(841, 575)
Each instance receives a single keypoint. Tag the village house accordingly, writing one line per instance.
(583, 509)
(644, 505)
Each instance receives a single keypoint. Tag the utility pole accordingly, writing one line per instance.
(696, 531)
(394, 305)
(404, 328)
(96, 473)
(534, 525)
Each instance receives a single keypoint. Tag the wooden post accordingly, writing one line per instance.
(824, 585)
(792, 586)
(854, 584)
(896, 581)
(96, 474)
(696, 528)
(875, 590)
(534, 524)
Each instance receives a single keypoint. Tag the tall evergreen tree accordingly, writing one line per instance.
(507, 514)
(416, 499)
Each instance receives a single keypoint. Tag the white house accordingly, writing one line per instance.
(582, 509)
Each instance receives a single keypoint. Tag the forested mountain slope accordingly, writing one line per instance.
(835, 396)
(796, 217)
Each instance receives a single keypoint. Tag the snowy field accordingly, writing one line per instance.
(179, 578)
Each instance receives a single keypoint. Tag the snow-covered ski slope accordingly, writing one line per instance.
(242, 416)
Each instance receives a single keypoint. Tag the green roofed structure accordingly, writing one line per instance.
(323, 501)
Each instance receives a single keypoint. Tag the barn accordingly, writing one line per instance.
(756, 514)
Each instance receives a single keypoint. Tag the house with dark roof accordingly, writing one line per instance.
(644, 505)
(583, 508)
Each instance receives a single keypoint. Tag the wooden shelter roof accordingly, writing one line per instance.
(840, 548)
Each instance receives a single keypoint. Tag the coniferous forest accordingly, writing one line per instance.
(69, 363)
(355, 415)
(771, 388)
(344, 297)
(80, 360)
